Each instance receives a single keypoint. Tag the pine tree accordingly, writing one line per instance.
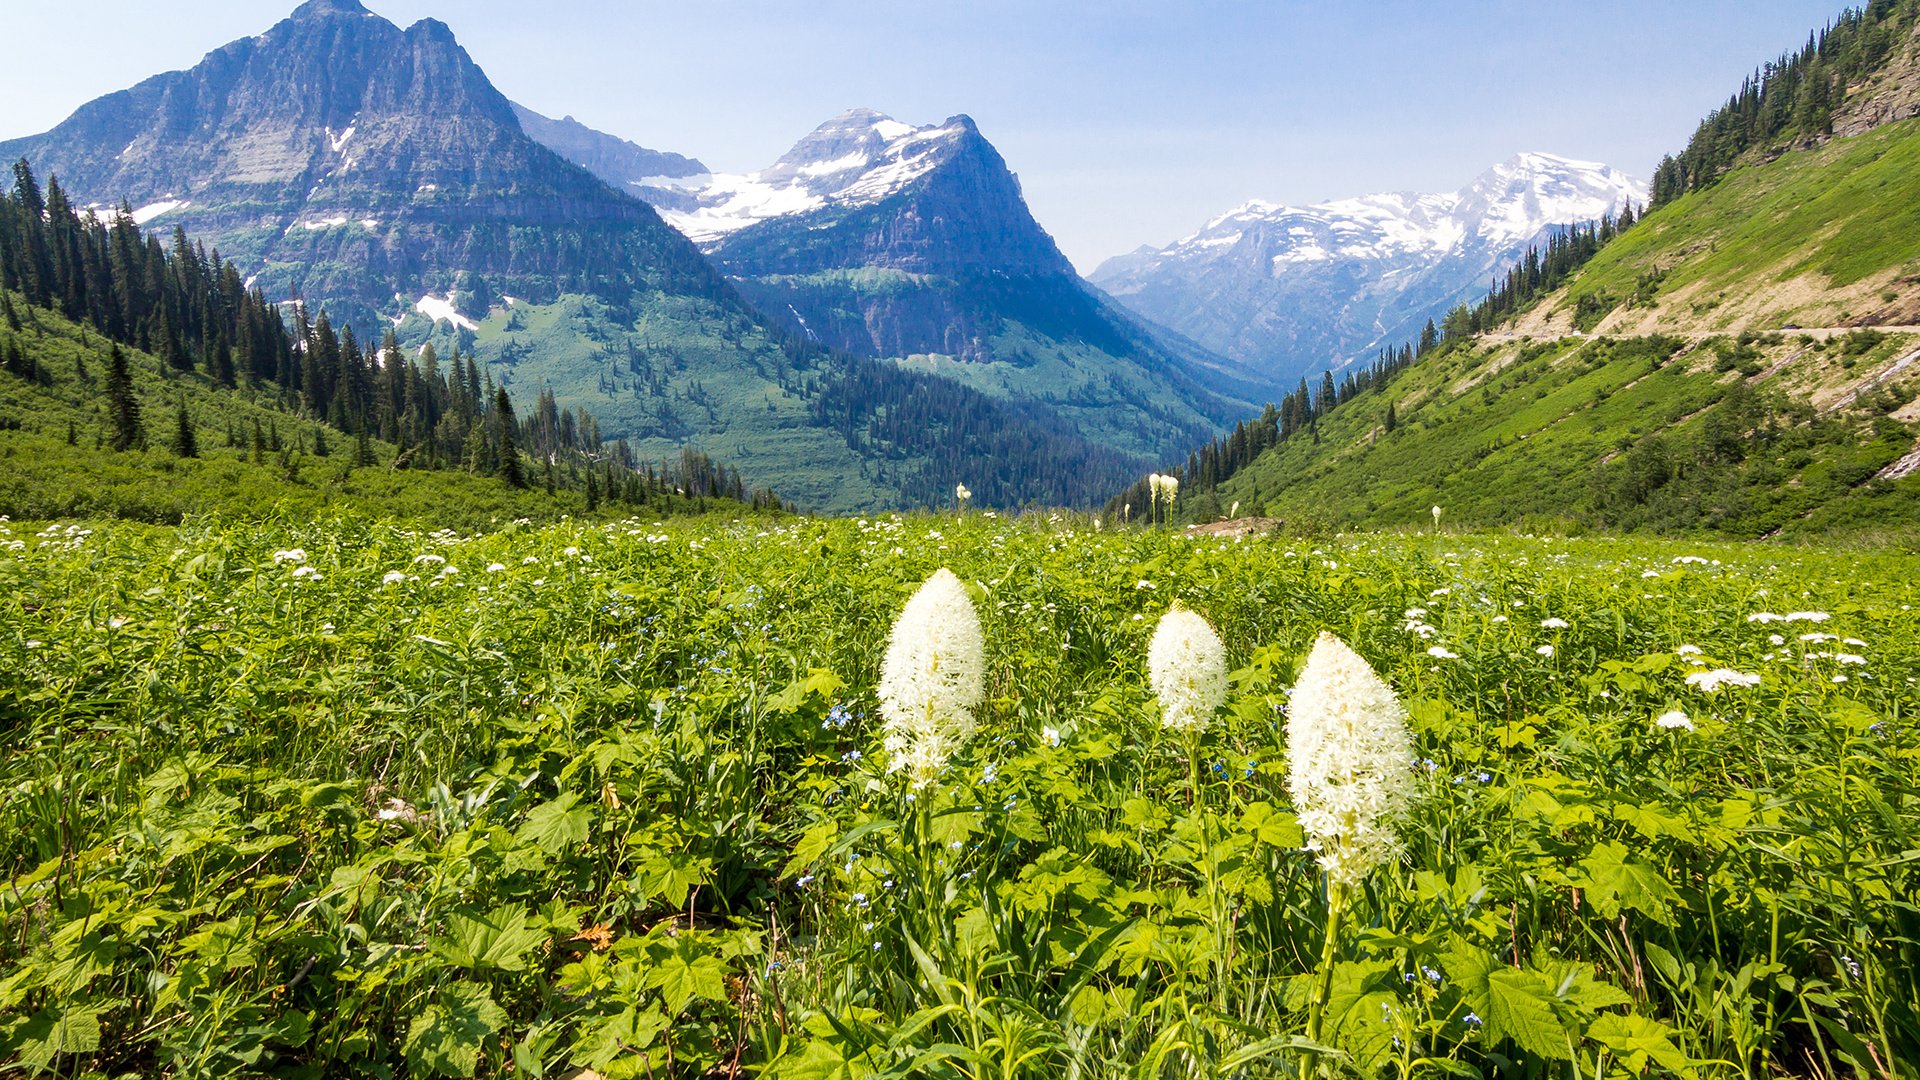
(125, 410)
(510, 467)
(593, 492)
(185, 442)
(259, 443)
(319, 443)
(1392, 420)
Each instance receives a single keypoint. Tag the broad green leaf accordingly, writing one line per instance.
(685, 972)
(1636, 1040)
(813, 844)
(500, 939)
(554, 826)
(57, 1031)
(1270, 826)
(618, 1036)
(671, 875)
(445, 1039)
(1518, 1006)
(1615, 880)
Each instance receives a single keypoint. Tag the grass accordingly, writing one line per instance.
(345, 798)
(1849, 210)
(1633, 434)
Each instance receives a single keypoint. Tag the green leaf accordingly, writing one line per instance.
(1518, 1006)
(1270, 826)
(1615, 880)
(618, 1036)
(670, 875)
(445, 1039)
(501, 939)
(555, 826)
(57, 1031)
(817, 681)
(687, 971)
(1636, 1040)
(813, 844)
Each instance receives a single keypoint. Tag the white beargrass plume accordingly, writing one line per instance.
(1187, 666)
(932, 677)
(1350, 762)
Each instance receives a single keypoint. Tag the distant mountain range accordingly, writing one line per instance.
(1290, 290)
(376, 171)
(915, 244)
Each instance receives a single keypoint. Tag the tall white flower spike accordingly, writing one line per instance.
(932, 678)
(1187, 665)
(1350, 762)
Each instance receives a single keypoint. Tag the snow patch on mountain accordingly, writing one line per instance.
(439, 310)
(106, 214)
(858, 158)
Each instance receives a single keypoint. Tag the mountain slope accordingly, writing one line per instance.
(1753, 368)
(1288, 290)
(916, 245)
(620, 163)
(375, 171)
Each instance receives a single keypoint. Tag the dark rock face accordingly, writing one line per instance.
(917, 244)
(343, 157)
(966, 215)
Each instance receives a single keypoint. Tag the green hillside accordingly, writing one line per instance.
(56, 458)
(1739, 436)
(1823, 237)
(1743, 361)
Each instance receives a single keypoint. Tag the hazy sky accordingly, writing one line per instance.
(1129, 122)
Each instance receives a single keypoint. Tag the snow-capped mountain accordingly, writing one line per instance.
(1288, 290)
(915, 244)
(856, 159)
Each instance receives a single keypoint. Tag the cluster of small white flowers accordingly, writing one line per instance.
(932, 677)
(1187, 665)
(1162, 488)
(1555, 623)
(1710, 681)
(1674, 719)
(1349, 761)
(292, 555)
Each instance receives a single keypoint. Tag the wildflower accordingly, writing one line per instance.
(394, 577)
(1350, 762)
(495, 568)
(1187, 665)
(1808, 616)
(1436, 516)
(1441, 652)
(1555, 623)
(1050, 735)
(1710, 681)
(932, 677)
(1674, 719)
(1545, 650)
(1162, 488)
(430, 560)
(292, 555)
(961, 495)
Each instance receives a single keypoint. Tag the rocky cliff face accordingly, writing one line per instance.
(341, 156)
(1288, 290)
(915, 244)
(622, 164)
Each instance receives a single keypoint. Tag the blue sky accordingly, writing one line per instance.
(1129, 122)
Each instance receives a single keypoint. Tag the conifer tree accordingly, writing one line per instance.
(510, 468)
(185, 442)
(121, 405)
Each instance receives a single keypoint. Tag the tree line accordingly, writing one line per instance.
(191, 309)
(1792, 99)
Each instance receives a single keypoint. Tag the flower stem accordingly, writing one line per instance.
(1329, 951)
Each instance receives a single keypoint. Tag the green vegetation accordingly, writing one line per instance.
(1629, 434)
(346, 799)
(59, 426)
(1848, 210)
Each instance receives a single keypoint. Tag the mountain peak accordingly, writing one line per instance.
(321, 9)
